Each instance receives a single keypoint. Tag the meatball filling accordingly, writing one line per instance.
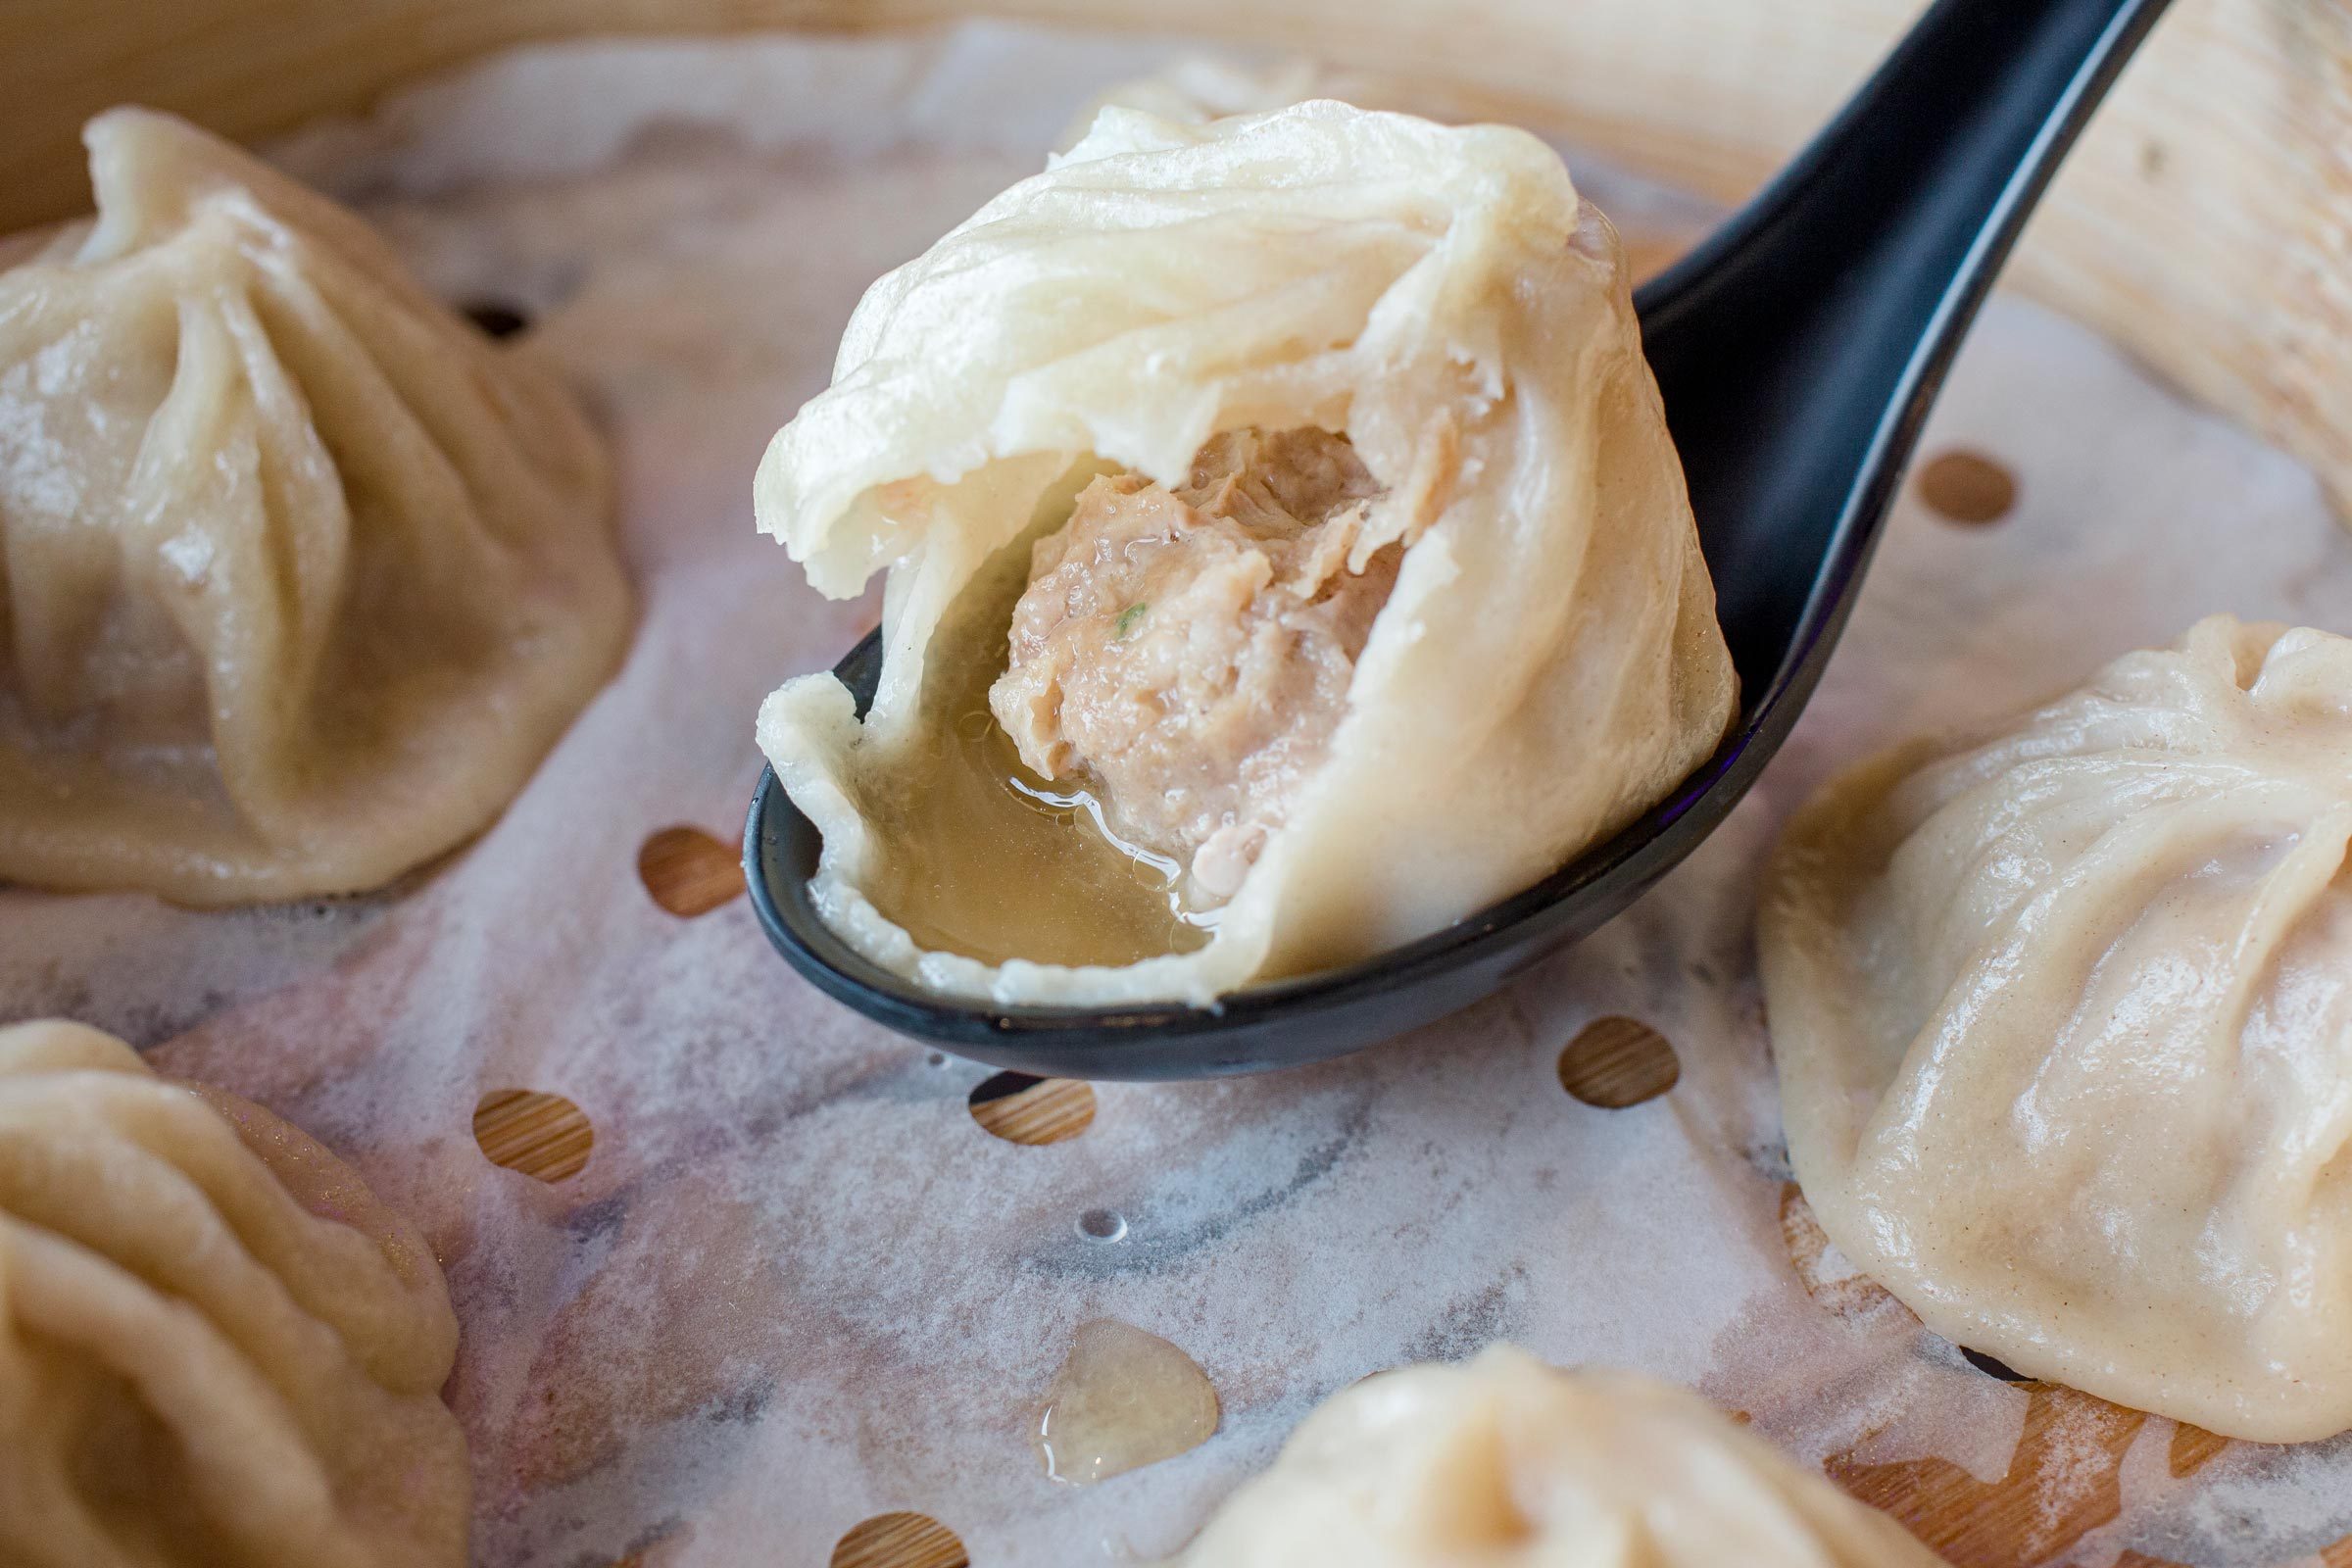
(1187, 653)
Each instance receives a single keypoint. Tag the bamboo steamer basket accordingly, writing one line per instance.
(2205, 223)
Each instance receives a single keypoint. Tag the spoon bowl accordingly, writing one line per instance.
(1798, 350)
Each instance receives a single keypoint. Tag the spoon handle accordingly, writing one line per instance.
(1799, 346)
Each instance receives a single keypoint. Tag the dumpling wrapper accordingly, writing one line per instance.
(220, 1350)
(1508, 1461)
(2063, 1022)
(300, 574)
(1549, 664)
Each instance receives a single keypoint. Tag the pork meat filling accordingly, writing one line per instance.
(1187, 653)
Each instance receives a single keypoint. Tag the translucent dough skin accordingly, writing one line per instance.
(1548, 664)
(1506, 1461)
(200, 1368)
(2064, 1024)
(299, 575)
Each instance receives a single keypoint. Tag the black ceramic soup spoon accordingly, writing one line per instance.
(1798, 350)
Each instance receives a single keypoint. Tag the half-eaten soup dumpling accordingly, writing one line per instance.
(2064, 1020)
(1287, 559)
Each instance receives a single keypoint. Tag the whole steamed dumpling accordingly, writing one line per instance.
(300, 574)
(1362, 587)
(1508, 1461)
(219, 1349)
(2064, 1021)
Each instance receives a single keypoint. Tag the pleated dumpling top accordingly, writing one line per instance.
(220, 1350)
(300, 574)
(1509, 1463)
(2063, 1012)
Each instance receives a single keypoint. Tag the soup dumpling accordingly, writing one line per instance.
(1287, 502)
(2062, 1013)
(221, 1349)
(1508, 1461)
(300, 574)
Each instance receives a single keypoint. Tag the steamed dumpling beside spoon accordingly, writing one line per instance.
(1286, 558)
(2062, 1013)
(300, 574)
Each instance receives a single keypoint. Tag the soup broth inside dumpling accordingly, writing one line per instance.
(1123, 709)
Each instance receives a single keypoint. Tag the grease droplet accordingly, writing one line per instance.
(1123, 1399)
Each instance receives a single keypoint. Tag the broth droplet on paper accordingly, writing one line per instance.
(1123, 1399)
